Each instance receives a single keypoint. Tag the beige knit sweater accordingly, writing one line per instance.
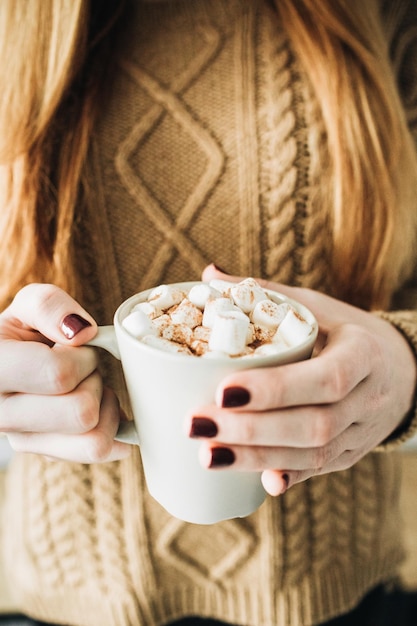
(206, 151)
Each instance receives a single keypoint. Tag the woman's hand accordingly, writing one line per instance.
(316, 416)
(52, 399)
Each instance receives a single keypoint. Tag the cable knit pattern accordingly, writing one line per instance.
(210, 148)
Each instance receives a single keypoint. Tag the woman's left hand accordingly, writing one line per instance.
(317, 416)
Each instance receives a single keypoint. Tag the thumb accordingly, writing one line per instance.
(50, 311)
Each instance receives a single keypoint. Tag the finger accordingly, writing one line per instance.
(31, 367)
(348, 447)
(212, 271)
(259, 458)
(343, 363)
(301, 427)
(72, 413)
(96, 446)
(276, 482)
(49, 311)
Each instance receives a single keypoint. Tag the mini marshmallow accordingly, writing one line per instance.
(215, 306)
(229, 332)
(199, 294)
(262, 335)
(216, 354)
(180, 333)
(223, 286)
(165, 296)
(161, 322)
(165, 344)
(201, 333)
(294, 328)
(149, 309)
(250, 337)
(199, 347)
(269, 314)
(267, 349)
(138, 324)
(187, 313)
(247, 294)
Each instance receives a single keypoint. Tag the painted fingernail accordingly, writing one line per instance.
(222, 457)
(235, 396)
(286, 480)
(73, 324)
(203, 427)
(219, 269)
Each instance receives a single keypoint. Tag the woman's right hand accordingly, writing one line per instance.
(52, 399)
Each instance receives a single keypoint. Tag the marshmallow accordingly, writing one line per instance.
(161, 322)
(294, 329)
(223, 286)
(165, 344)
(199, 347)
(229, 332)
(187, 313)
(262, 335)
(270, 348)
(216, 354)
(180, 333)
(269, 314)
(149, 309)
(165, 296)
(215, 306)
(138, 324)
(199, 294)
(247, 294)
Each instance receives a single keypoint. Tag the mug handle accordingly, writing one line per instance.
(106, 339)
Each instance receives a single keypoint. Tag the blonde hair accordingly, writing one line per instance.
(49, 106)
(372, 158)
(52, 73)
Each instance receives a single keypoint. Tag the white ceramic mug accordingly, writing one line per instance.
(163, 388)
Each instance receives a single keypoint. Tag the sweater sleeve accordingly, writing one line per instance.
(406, 323)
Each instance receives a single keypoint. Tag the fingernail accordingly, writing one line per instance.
(203, 427)
(73, 324)
(286, 480)
(219, 269)
(222, 457)
(235, 396)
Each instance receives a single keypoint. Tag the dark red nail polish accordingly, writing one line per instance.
(203, 427)
(73, 324)
(235, 396)
(220, 269)
(222, 457)
(286, 480)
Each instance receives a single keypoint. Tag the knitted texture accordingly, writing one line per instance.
(208, 149)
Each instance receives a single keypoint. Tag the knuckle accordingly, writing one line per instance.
(322, 456)
(321, 427)
(98, 446)
(60, 375)
(86, 411)
(247, 430)
(20, 442)
(336, 382)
